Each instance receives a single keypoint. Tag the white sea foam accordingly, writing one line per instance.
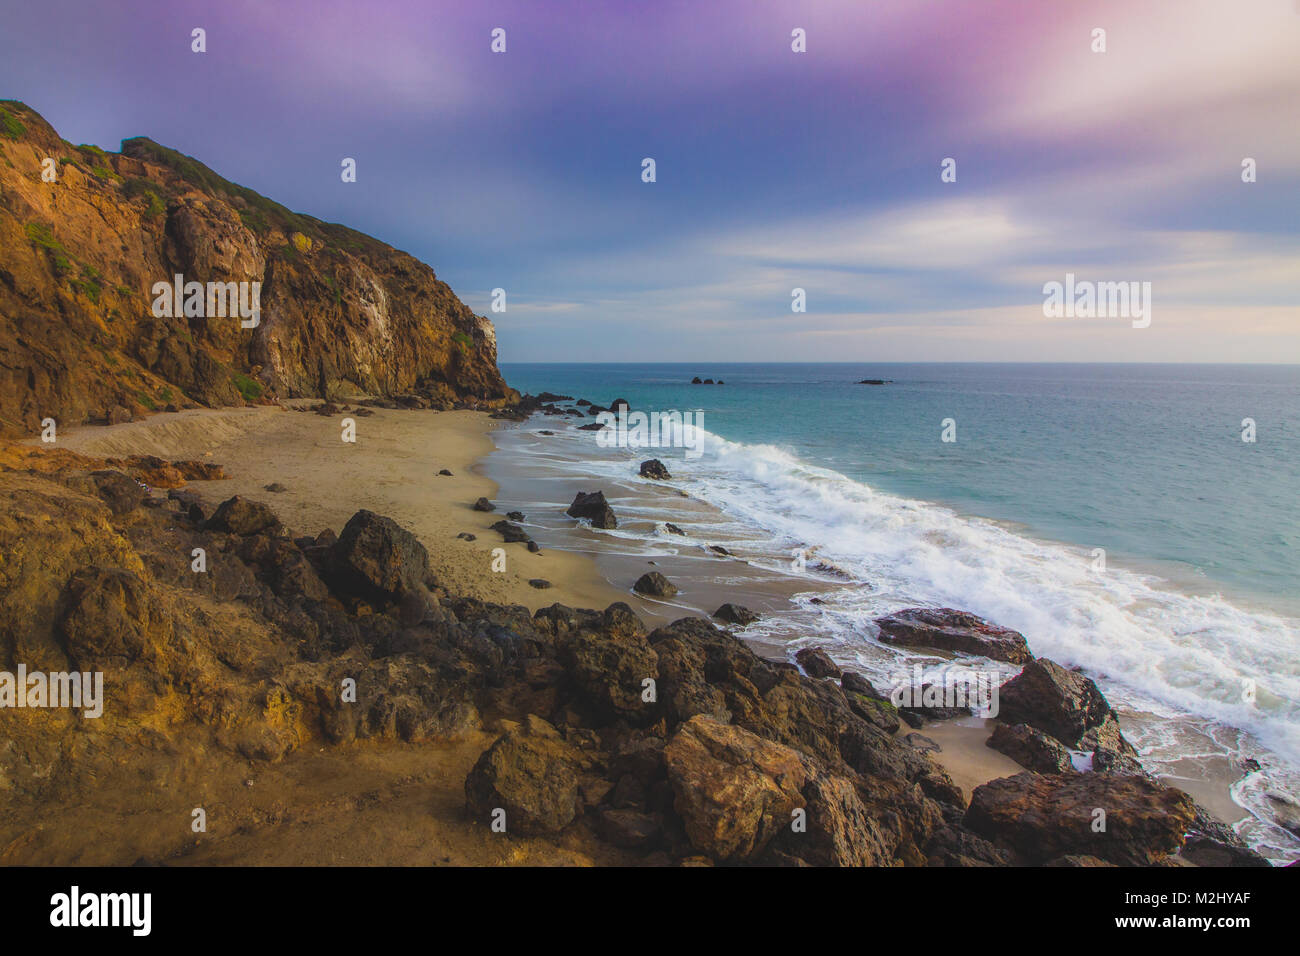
(1155, 649)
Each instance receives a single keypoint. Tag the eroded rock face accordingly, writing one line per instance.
(733, 789)
(1041, 817)
(339, 311)
(951, 630)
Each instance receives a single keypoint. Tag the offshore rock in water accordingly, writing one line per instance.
(594, 508)
(654, 468)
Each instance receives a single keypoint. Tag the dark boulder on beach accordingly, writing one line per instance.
(377, 559)
(719, 550)
(817, 663)
(673, 529)
(484, 505)
(512, 533)
(654, 468)
(735, 614)
(951, 630)
(594, 508)
(1032, 749)
(515, 515)
(531, 773)
(1063, 704)
(654, 584)
(240, 516)
(1040, 817)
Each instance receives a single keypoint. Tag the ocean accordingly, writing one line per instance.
(1112, 513)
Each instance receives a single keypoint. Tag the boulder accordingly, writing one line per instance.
(593, 507)
(950, 630)
(654, 468)
(817, 663)
(377, 559)
(531, 774)
(673, 529)
(240, 516)
(733, 790)
(511, 532)
(1031, 748)
(736, 614)
(120, 492)
(1041, 817)
(484, 505)
(1064, 704)
(654, 584)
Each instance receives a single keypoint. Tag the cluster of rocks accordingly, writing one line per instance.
(676, 744)
(707, 381)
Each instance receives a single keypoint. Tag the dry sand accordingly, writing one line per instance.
(392, 469)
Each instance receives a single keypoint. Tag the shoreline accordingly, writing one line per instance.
(393, 470)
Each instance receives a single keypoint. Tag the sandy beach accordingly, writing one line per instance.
(393, 469)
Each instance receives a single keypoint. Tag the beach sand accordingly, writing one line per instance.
(392, 469)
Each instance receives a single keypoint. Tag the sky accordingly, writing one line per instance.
(775, 169)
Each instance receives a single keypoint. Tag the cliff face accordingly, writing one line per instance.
(340, 312)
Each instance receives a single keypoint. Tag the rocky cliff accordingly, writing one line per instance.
(86, 234)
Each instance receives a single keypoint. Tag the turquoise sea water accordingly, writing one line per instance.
(1194, 620)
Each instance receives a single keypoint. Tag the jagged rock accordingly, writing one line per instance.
(609, 666)
(673, 529)
(719, 549)
(484, 505)
(733, 790)
(593, 507)
(1031, 748)
(377, 559)
(243, 517)
(654, 584)
(1041, 817)
(736, 614)
(1064, 704)
(817, 663)
(530, 773)
(515, 515)
(654, 468)
(951, 630)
